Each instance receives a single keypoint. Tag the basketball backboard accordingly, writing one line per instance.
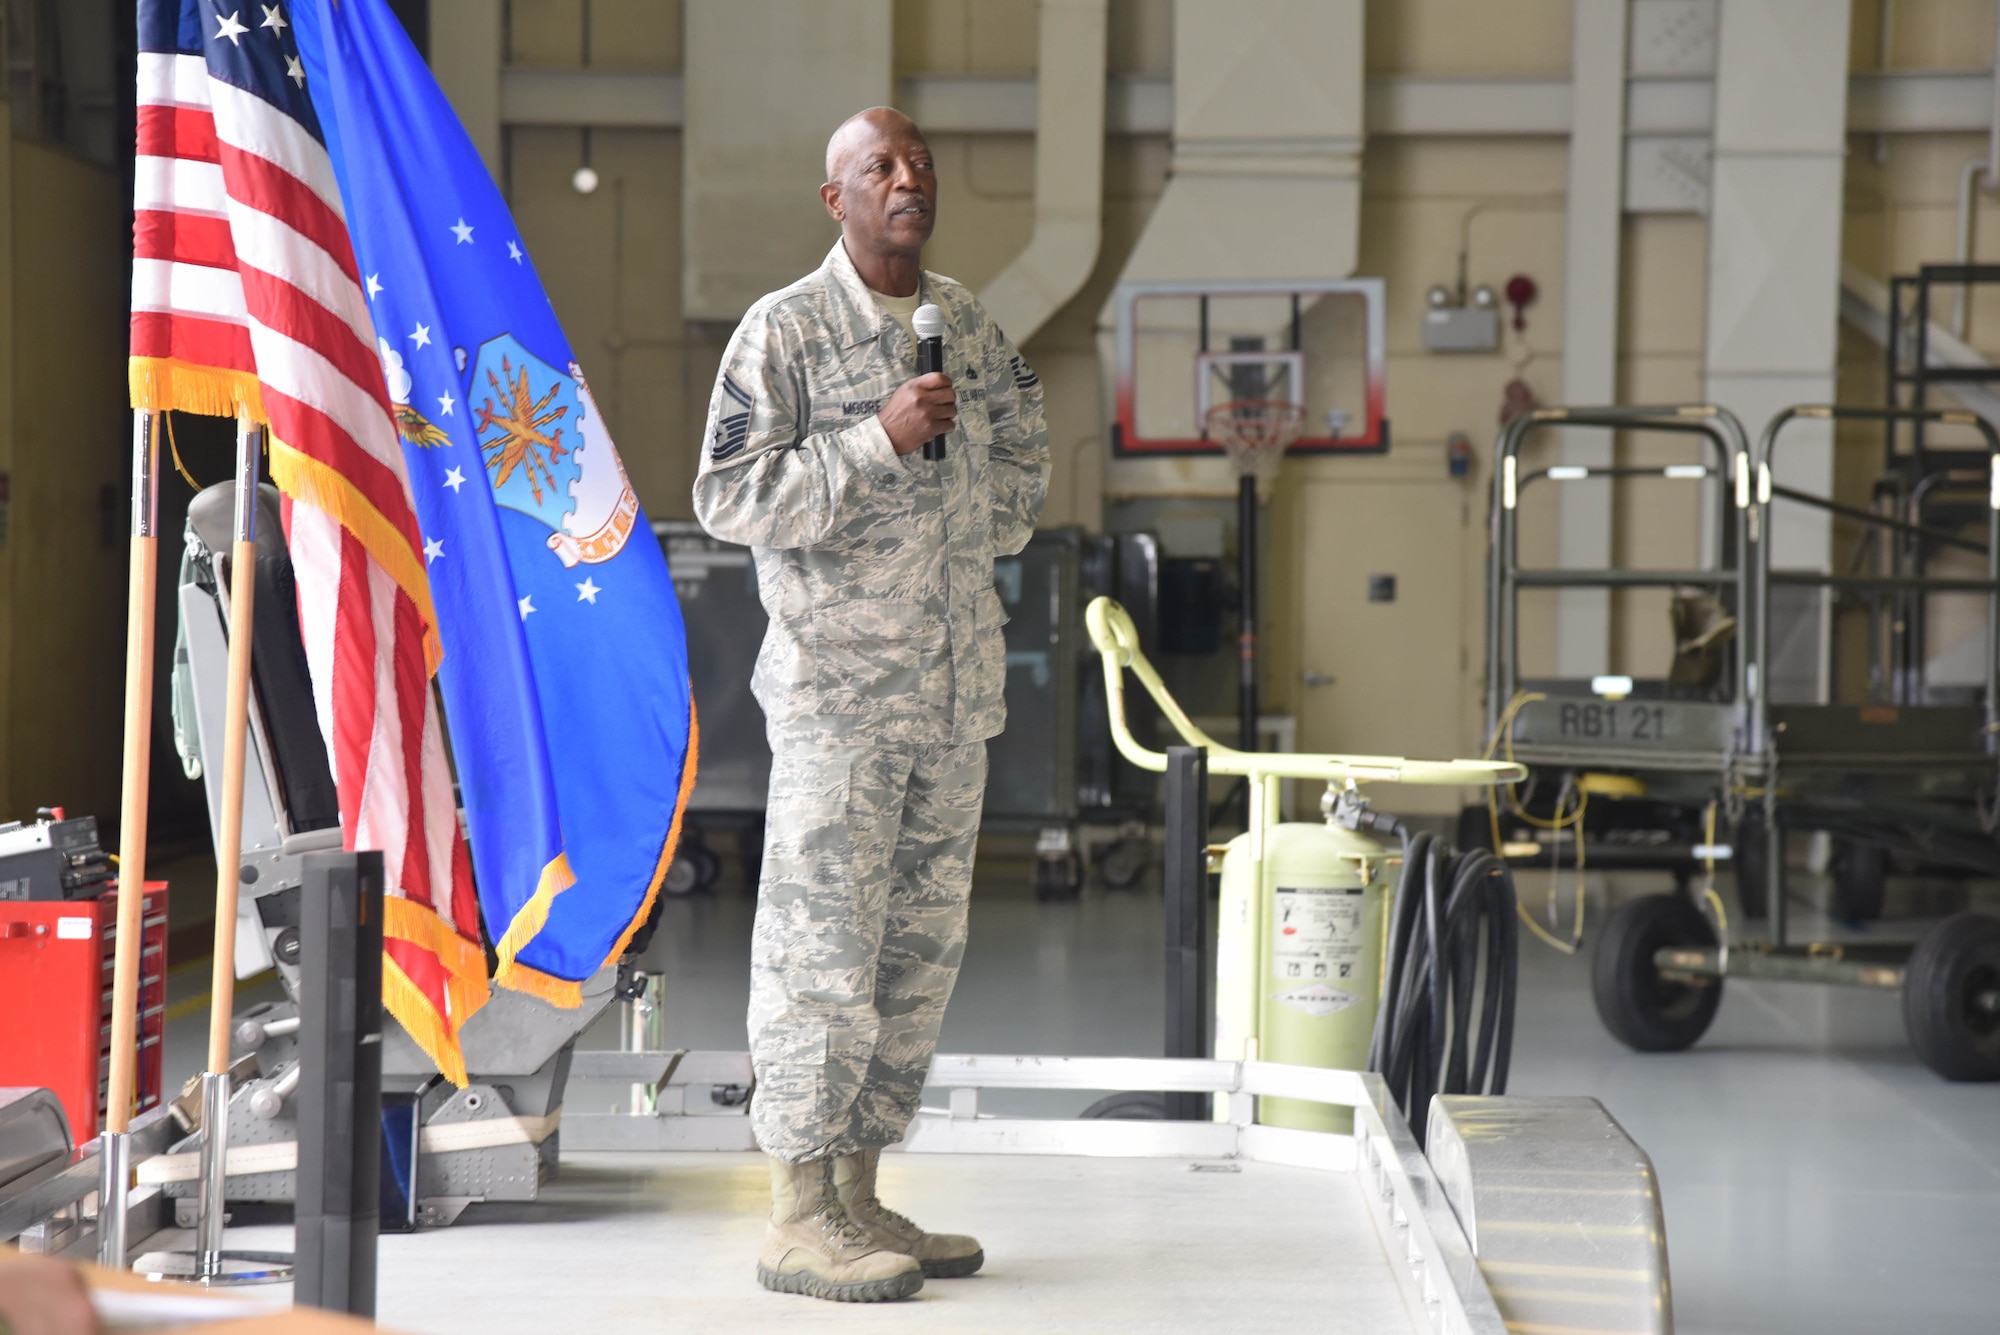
(1185, 347)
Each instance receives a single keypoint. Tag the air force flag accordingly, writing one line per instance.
(565, 672)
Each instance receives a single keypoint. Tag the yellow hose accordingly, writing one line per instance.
(1503, 735)
(1708, 881)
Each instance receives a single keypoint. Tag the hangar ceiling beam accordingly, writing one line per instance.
(469, 68)
(1595, 215)
(1895, 102)
(1774, 213)
(766, 81)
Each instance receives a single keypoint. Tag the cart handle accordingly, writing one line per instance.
(1117, 641)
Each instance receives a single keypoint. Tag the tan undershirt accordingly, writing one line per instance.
(901, 309)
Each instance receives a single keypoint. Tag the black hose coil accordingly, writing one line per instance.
(1425, 1040)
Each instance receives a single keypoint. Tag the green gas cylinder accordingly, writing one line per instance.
(1299, 951)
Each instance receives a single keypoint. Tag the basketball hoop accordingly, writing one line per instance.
(1256, 434)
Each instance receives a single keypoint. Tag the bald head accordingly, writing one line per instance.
(881, 187)
(864, 130)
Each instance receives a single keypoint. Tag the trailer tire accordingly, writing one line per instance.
(1751, 856)
(1131, 1106)
(1123, 862)
(1058, 876)
(1860, 880)
(1951, 997)
(1642, 1010)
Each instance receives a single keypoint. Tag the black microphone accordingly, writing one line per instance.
(928, 324)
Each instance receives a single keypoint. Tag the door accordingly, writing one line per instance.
(1381, 608)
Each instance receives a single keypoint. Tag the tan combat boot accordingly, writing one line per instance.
(942, 1255)
(812, 1247)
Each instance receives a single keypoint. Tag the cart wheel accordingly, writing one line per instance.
(1951, 997)
(694, 867)
(1751, 856)
(1131, 1106)
(750, 852)
(707, 866)
(1641, 1009)
(683, 876)
(1120, 864)
(1059, 875)
(1860, 881)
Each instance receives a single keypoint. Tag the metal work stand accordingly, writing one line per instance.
(1186, 892)
(340, 1098)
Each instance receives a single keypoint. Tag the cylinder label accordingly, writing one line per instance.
(1315, 999)
(1318, 934)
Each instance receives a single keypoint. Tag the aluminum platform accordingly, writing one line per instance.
(1089, 1224)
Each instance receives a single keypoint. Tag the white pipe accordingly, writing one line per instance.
(1988, 167)
(1069, 172)
(1973, 169)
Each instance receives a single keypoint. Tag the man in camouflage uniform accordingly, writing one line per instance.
(881, 679)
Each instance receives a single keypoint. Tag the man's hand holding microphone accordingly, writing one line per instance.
(922, 410)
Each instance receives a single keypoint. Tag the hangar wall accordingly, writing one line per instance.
(614, 260)
(63, 445)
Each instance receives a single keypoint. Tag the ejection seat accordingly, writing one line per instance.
(496, 1139)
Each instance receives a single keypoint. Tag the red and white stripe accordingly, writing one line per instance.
(243, 263)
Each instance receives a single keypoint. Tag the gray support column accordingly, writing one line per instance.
(465, 55)
(1590, 320)
(766, 83)
(1774, 267)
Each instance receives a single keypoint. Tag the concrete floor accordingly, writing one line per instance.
(1816, 1177)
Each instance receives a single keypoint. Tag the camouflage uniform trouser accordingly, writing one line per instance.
(860, 931)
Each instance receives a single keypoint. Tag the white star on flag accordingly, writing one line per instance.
(274, 19)
(433, 550)
(514, 252)
(295, 71)
(422, 336)
(455, 479)
(374, 286)
(462, 232)
(445, 405)
(587, 592)
(527, 605)
(230, 28)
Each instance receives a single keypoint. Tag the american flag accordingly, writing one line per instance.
(245, 296)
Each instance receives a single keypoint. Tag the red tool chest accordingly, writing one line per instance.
(55, 999)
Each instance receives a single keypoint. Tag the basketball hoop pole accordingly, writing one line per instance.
(1256, 433)
(1246, 639)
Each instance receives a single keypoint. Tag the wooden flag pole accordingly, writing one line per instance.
(209, 1264)
(229, 851)
(115, 1163)
(235, 729)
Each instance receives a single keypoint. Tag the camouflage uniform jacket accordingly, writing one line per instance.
(876, 569)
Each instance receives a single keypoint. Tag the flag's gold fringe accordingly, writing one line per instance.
(519, 977)
(407, 920)
(529, 920)
(466, 999)
(307, 479)
(413, 1010)
(673, 834)
(161, 384)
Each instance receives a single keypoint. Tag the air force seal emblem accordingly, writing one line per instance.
(548, 454)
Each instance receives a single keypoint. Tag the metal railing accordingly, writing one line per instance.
(1908, 580)
(1728, 471)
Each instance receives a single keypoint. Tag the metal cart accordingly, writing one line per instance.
(717, 586)
(1907, 774)
(1664, 747)
(1910, 774)
(1053, 769)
